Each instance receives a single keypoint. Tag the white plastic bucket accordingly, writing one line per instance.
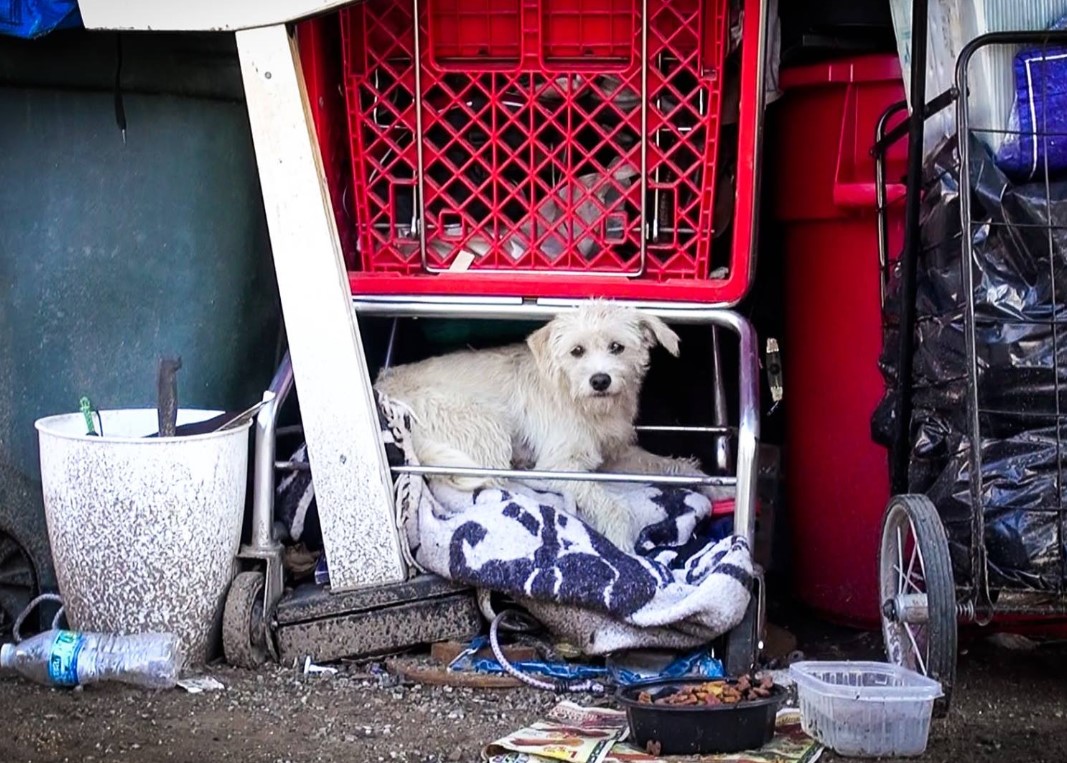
(144, 532)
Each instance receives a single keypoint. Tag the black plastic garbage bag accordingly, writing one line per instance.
(1020, 493)
(1019, 257)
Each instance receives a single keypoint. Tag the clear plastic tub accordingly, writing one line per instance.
(866, 709)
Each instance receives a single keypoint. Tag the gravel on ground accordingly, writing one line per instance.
(1009, 706)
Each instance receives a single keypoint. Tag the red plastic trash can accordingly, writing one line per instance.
(837, 478)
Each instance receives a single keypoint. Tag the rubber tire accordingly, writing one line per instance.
(14, 598)
(940, 590)
(243, 624)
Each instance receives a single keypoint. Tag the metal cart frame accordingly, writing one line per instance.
(256, 592)
(922, 603)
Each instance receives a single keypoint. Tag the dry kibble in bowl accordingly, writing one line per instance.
(711, 693)
(688, 716)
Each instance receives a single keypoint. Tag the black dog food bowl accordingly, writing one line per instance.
(698, 729)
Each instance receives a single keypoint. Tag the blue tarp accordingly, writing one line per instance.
(35, 18)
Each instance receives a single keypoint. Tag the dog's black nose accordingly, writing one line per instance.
(600, 382)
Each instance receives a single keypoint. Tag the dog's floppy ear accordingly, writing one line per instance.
(658, 332)
(538, 342)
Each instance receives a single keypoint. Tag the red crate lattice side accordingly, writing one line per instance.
(532, 135)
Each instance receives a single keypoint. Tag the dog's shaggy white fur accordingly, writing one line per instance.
(565, 400)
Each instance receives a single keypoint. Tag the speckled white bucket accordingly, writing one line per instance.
(144, 531)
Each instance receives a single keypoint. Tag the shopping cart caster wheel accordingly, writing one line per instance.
(244, 624)
(918, 592)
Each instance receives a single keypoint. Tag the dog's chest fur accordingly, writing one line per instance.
(604, 440)
(547, 419)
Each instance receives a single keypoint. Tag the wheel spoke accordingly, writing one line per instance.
(918, 584)
(900, 561)
(922, 564)
(911, 562)
(8, 548)
(16, 578)
(915, 646)
(904, 580)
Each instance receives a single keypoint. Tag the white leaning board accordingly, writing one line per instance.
(353, 486)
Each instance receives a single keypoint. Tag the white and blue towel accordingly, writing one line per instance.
(686, 582)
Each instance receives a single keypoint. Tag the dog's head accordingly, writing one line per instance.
(599, 351)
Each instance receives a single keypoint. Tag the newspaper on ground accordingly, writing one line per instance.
(593, 735)
(569, 732)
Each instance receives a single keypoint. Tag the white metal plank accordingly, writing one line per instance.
(198, 15)
(352, 482)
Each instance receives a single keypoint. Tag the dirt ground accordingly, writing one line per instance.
(1009, 706)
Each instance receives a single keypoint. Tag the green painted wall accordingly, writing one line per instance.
(113, 254)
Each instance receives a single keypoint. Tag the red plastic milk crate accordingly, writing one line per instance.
(549, 148)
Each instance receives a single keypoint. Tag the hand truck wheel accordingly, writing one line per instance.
(917, 592)
(244, 624)
(18, 582)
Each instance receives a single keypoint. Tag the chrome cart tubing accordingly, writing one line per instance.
(723, 457)
(678, 429)
(677, 480)
(978, 553)
(748, 428)
(264, 454)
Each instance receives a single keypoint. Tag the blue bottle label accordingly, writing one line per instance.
(63, 662)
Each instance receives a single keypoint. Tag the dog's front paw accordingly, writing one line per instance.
(468, 484)
(618, 528)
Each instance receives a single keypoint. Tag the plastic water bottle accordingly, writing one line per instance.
(69, 658)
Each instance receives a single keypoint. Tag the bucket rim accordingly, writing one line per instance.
(45, 425)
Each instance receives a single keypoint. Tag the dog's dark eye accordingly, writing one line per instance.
(578, 351)
(615, 348)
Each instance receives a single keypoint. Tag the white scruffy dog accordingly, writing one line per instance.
(565, 400)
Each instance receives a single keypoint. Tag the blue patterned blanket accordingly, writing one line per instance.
(686, 582)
